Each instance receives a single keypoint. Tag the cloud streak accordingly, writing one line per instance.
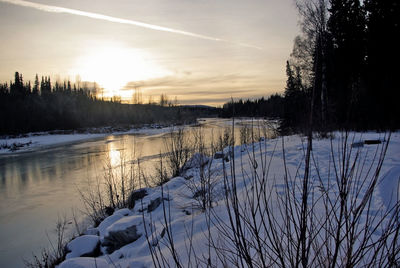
(214, 90)
(189, 81)
(56, 9)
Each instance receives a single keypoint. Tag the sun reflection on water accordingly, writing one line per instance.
(115, 157)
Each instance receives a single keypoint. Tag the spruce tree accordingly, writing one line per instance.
(346, 26)
(290, 82)
(69, 87)
(383, 31)
(17, 88)
(35, 90)
(294, 99)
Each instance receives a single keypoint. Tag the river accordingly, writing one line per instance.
(38, 187)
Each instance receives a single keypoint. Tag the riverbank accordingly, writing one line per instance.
(40, 140)
(168, 226)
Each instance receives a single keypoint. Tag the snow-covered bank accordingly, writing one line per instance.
(143, 235)
(38, 140)
(33, 141)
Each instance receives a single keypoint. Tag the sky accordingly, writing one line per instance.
(199, 51)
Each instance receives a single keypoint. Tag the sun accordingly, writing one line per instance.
(113, 66)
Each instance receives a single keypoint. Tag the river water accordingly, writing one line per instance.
(37, 188)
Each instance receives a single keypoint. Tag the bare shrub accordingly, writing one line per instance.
(153, 241)
(111, 190)
(225, 139)
(178, 150)
(245, 134)
(161, 174)
(93, 199)
(56, 254)
(120, 179)
(202, 190)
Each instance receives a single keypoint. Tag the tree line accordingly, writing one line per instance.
(343, 65)
(46, 106)
(272, 107)
(342, 70)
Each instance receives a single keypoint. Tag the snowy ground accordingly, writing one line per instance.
(38, 140)
(124, 238)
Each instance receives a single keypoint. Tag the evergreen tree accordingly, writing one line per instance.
(48, 84)
(17, 88)
(35, 90)
(69, 87)
(290, 82)
(383, 57)
(28, 88)
(45, 85)
(57, 87)
(295, 99)
(346, 27)
(42, 85)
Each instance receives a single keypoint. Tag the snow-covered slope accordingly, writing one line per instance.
(173, 214)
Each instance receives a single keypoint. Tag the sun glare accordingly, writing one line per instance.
(115, 157)
(112, 67)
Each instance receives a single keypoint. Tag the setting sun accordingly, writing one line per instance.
(113, 66)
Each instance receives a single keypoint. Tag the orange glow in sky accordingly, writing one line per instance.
(112, 66)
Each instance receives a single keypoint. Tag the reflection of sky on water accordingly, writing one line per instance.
(35, 188)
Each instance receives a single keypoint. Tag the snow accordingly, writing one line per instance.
(188, 223)
(123, 212)
(124, 223)
(389, 188)
(82, 245)
(40, 140)
(107, 222)
(85, 262)
(196, 161)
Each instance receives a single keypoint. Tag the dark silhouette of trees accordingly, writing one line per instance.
(314, 26)
(347, 58)
(35, 90)
(382, 59)
(295, 99)
(346, 26)
(67, 106)
(17, 89)
(308, 71)
(272, 107)
(163, 100)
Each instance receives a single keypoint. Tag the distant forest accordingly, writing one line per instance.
(65, 106)
(342, 73)
(271, 107)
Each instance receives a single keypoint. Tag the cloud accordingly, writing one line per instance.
(191, 81)
(193, 89)
(56, 9)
